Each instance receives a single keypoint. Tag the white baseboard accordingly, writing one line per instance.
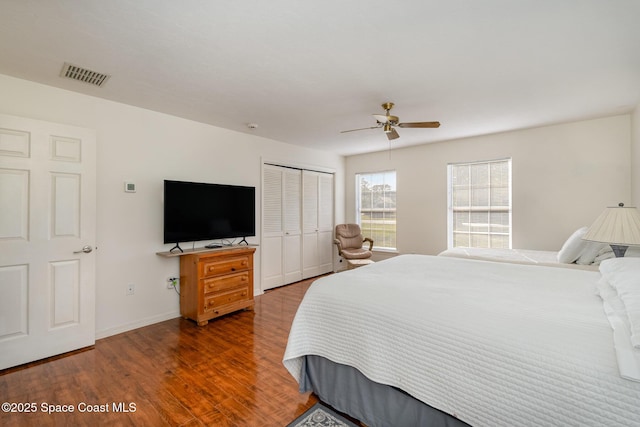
(137, 324)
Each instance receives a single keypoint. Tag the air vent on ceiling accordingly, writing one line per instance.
(82, 74)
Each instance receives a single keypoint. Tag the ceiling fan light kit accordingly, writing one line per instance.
(388, 123)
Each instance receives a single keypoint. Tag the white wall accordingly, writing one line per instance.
(635, 157)
(563, 177)
(146, 147)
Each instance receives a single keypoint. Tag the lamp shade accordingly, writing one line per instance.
(618, 225)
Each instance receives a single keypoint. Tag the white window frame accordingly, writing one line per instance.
(450, 210)
(358, 177)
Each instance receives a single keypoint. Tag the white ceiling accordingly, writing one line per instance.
(305, 70)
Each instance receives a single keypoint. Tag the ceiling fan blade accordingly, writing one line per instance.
(420, 125)
(354, 130)
(392, 134)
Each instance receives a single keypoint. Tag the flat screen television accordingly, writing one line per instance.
(196, 211)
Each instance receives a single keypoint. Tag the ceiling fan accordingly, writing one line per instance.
(388, 122)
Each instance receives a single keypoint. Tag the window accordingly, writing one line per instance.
(376, 207)
(480, 204)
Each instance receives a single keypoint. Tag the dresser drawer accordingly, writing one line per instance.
(216, 267)
(223, 283)
(218, 300)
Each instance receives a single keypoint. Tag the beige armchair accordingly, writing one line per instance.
(350, 242)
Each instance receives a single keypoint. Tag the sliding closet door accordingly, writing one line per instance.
(272, 228)
(297, 225)
(282, 226)
(292, 240)
(317, 214)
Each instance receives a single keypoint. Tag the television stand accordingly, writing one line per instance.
(177, 246)
(216, 282)
(244, 239)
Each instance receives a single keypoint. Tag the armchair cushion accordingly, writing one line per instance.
(360, 253)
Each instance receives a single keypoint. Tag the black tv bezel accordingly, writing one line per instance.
(204, 236)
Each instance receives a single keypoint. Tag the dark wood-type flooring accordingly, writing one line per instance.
(228, 373)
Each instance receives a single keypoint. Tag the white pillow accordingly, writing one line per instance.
(590, 251)
(606, 253)
(632, 251)
(573, 247)
(628, 357)
(609, 295)
(623, 274)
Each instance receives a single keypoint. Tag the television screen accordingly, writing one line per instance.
(199, 211)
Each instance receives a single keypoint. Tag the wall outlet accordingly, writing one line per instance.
(173, 283)
(131, 289)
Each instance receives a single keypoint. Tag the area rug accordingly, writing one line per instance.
(321, 416)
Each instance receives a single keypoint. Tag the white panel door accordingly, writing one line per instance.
(47, 281)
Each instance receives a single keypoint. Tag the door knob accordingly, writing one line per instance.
(86, 249)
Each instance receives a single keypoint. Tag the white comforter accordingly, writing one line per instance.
(495, 344)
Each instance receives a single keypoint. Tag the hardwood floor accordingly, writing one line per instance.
(228, 373)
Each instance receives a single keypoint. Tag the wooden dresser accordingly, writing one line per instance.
(216, 282)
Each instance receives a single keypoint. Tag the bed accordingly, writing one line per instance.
(574, 253)
(451, 341)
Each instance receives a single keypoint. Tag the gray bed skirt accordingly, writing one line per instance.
(377, 405)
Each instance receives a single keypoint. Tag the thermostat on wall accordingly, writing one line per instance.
(129, 187)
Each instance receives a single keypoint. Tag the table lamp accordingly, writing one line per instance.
(619, 226)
